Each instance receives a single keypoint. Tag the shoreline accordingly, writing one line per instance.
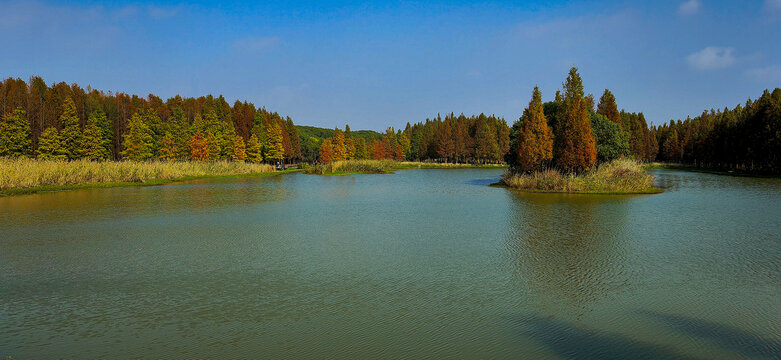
(714, 171)
(108, 185)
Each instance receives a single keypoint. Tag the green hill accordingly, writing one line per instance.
(312, 137)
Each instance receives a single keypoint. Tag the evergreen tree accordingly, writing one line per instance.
(199, 148)
(275, 151)
(213, 144)
(349, 143)
(50, 145)
(533, 139)
(253, 149)
(71, 135)
(445, 146)
(607, 107)
(138, 141)
(15, 134)
(180, 133)
(486, 147)
(612, 142)
(239, 150)
(361, 151)
(575, 148)
(94, 142)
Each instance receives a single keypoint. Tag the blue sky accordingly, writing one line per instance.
(386, 63)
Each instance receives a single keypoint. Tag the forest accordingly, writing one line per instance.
(64, 121)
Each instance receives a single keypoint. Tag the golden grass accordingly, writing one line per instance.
(619, 176)
(23, 173)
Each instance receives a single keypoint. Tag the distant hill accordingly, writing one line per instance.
(312, 137)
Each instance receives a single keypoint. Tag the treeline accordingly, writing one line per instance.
(571, 135)
(67, 121)
(746, 138)
(474, 139)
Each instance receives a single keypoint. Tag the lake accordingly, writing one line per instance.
(416, 264)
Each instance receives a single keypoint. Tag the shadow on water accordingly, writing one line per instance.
(568, 251)
(724, 336)
(570, 341)
(484, 182)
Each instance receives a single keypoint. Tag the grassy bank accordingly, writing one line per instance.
(621, 176)
(707, 170)
(350, 167)
(24, 176)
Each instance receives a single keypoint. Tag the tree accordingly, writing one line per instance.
(253, 149)
(607, 107)
(138, 141)
(326, 151)
(71, 131)
(612, 142)
(575, 149)
(533, 139)
(50, 145)
(213, 144)
(199, 148)
(445, 146)
(361, 152)
(275, 150)
(94, 145)
(339, 151)
(239, 150)
(15, 134)
(168, 147)
(486, 147)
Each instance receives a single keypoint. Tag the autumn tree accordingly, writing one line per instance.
(50, 145)
(326, 151)
(608, 108)
(361, 151)
(138, 141)
(199, 148)
(445, 146)
(15, 134)
(167, 147)
(339, 151)
(239, 150)
(532, 138)
(575, 149)
(349, 143)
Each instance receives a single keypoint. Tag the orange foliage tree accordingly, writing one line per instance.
(326, 151)
(576, 149)
(534, 141)
(199, 147)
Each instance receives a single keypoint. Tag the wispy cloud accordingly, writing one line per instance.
(767, 73)
(255, 44)
(690, 7)
(712, 58)
(162, 12)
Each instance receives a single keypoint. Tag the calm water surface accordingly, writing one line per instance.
(417, 264)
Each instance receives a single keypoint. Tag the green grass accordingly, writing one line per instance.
(26, 176)
(621, 176)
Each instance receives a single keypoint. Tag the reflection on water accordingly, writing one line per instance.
(570, 249)
(416, 264)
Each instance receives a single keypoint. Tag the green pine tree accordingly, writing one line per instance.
(253, 149)
(71, 131)
(15, 134)
(50, 145)
(138, 141)
(94, 147)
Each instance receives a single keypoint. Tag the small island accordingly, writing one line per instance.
(565, 146)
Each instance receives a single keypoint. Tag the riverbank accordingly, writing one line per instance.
(621, 176)
(26, 176)
(352, 167)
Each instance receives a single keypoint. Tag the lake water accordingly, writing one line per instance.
(417, 264)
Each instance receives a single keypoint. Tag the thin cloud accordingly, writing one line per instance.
(712, 58)
(690, 7)
(768, 73)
